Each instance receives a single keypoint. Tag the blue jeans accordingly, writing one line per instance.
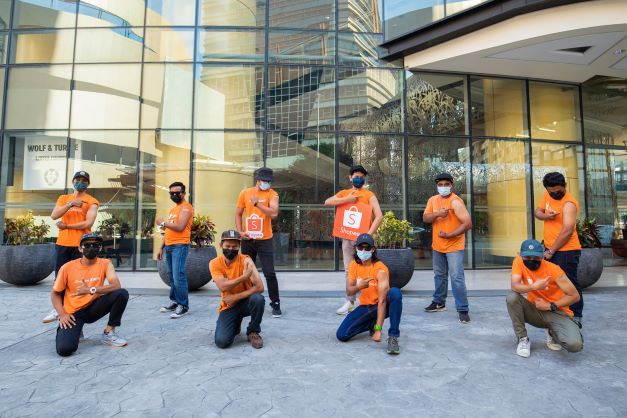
(364, 317)
(230, 320)
(175, 258)
(569, 262)
(445, 264)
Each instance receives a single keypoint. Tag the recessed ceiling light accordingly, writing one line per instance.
(619, 51)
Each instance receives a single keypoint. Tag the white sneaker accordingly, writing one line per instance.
(51, 317)
(550, 342)
(346, 308)
(524, 347)
(113, 339)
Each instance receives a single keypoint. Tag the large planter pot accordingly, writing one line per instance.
(26, 265)
(196, 267)
(400, 262)
(619, 247)
(590, 266)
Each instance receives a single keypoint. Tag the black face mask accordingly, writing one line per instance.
(557, 195)
(91, 252)
(532, 264)
(176, 197)
(229, 253)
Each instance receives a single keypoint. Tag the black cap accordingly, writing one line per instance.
(81, 174)
(264, 174)
(358, 168)
(444, 176)
(91, 237)
(365, 239)
(231, 234)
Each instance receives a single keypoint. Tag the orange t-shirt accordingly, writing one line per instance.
(173, 237)
(448, 224)
(369, 295)
(256, 223)
(72, 237)
(546, 269)
(553, 227)
(363, 195)
(70, 277)
(219, 268)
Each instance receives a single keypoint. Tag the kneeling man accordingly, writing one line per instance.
(549, 295)
(237, 278)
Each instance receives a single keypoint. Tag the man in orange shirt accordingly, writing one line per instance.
(549, 294)
(80, 296)
(260, 205)
(176, 243)
(558, 209)
(237, 278)
(77, 213)
(368, 275)
(357, 193)
(450, 219)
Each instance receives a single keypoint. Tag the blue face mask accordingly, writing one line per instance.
(264, 185)
(358, 182)
(80, 186)
(364, 255)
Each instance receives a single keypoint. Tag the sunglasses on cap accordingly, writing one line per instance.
(91, 245)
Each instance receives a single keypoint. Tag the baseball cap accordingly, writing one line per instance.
(365, 239)
(81, 174)
(91, 237)
(358, 168)
(444, 176)
(231, 234)
(264, 174)
(531, 248)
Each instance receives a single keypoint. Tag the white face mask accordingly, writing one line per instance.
(264, 185)
(364, 255)
(444, 191)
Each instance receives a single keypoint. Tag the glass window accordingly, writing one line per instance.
(228, 97)
(499, 107)
(370, 100)
(361, 15)
(302, 47)
(436, 104)
(554, 111)
(169, 44)
(231, 13)
(170, 12)
(163, 159)
(402, 16)
(42, 47)
(38, 97)
(301, 98)
(4, 36)
(501, 218)
(106, 96)
(108, 45)
(604, 110)
(362, 50)
(230, 45)
(456, 6)
(44, 14)
(2, 74)
(5, 14)
(309, 14)
(95, 13)
(166, 96)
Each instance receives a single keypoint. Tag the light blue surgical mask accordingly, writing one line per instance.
(444, 191)
(364, 255)
(265, 185)
(80, 186)
(358, 182)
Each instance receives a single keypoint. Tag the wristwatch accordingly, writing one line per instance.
(92, 290)
(70, 204)
(548, 251)
(553, 307)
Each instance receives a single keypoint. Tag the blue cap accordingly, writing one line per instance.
(365, 239)
(531, 248)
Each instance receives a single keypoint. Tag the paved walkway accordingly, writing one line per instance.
(172, 368)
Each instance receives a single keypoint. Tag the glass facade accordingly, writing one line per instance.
(144, 93)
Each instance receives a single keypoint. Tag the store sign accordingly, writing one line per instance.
(44, 163)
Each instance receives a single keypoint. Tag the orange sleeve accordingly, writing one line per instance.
(214, 268)
(542, 202)
(275, 195)
(556, 272)
(94, 201)
(517, 266)
(241, 201)
(341, 193)
(62, 200)
(382, 267)
(352, 270)
(60, 282)
(429, 208)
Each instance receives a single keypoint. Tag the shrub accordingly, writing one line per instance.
(22, 230)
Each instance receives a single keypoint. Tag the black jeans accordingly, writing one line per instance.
(65, 254)
(266, 254)
(569, 262)
(230, 320)
(113, 303)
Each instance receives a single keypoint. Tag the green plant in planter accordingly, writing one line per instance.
(108, 228)
(588, 232)
(22, 230)
(392, 232)
(203, 231)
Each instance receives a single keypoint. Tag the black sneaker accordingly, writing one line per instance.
(179, 312)
(276, 309)
(464, 318)
(435, 307)
(393, 347)
(169, 308)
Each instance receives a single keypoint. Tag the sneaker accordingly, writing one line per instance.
(435, 307)
(346, 308)
(51, 317)
(393, 347)
(169, 308)
(550, 342)
(255, 340)
(524, 347)
(464, 318)
(276, 310)
(113, 339)
(179, 312)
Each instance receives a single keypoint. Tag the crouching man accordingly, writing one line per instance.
(549, 295)
(237, 278)
(87, 297)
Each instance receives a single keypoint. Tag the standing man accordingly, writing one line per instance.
(357, 193)
(178, 231)
(549, 293)
(78, 213)
(559, 209)
(260, 205)
(80, 296)
(450, 219)
(237, 278)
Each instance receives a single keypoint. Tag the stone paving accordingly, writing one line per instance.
(172, 367)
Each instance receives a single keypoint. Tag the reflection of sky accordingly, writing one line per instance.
(395, 8)
(114, 20)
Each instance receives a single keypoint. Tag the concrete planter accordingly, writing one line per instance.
(26, 265)
(590, 266)
(400, 262)
(196, 267)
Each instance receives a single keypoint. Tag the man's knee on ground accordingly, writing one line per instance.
(512, 298)
(342, 336)
(394, 294)
(573, 346)
(223, 342)
(65, 350)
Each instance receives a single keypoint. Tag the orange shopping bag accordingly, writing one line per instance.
(352, 219)
(254, 226)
